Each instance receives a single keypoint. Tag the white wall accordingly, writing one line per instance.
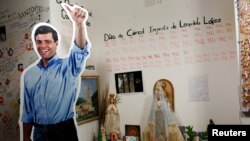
(214, 61)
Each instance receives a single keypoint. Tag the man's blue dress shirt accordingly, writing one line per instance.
(50, 92)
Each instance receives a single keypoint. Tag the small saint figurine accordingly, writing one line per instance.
(112, 119)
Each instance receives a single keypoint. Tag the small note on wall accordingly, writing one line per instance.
(198, 88)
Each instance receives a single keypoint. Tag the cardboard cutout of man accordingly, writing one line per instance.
(49, 86)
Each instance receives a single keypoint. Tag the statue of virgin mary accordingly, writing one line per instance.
(162, 124)
(112, 119)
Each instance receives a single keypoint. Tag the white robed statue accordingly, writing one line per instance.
(162, 124)
(112, 119)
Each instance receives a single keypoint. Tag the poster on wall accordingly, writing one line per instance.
(198, 88)
(129, 82)
(244, 55)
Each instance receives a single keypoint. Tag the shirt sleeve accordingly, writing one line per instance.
(27, 115)
(78, 57)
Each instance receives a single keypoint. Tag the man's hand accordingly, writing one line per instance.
(79, 17)
(76, 13)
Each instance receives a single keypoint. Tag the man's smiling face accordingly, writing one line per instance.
(46, 46)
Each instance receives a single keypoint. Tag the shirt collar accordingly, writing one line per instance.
(51, 61)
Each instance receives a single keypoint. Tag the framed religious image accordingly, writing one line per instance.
(168, 90)
(129, 82)
(133, 130)
(87, 104)
(131, 138)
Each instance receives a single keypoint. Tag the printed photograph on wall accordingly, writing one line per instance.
(2, 34)
(129, 82)
(87, 105)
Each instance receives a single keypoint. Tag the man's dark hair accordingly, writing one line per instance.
(44, 30)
